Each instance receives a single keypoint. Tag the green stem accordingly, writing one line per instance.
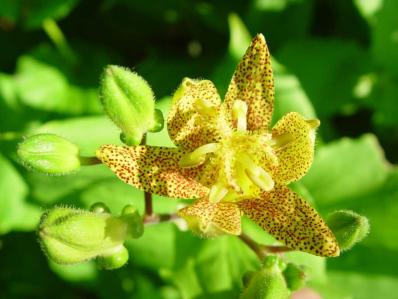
(57, 37)
(155, 219)
(87, 161)
(262, 250)
(253, 246)
(147, 195)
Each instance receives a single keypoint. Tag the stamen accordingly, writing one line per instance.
(314, 123)
(279, 142)
(239, 113)
(217, 192)
(261, 178)
(198, 156)
(205, 108)
(257, 174)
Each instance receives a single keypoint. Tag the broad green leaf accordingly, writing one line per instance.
(385, 37)
(43, 86)
(89, 133)
(156, 249)
(15, 212)
(50, 190)
(9, 10)
(290, 96)
(351, 285)
(346, 169)
(384, 101)
(319, 65)
(381, 208)
(214, 271)
(40, 10)
(280, 20)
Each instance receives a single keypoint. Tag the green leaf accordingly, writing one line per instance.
(319, 65)
(15, 212)
(214, 271)
(88, 133)
(346, 169)
(9, 10)
(34, 89)
(384, 36)
(40, 10)
(346, 285)
(289, 95)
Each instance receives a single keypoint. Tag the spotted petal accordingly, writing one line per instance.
(292, 220)
(295, 138)
(196, 117)
(253, 83)
(152, 169)
(209, 219)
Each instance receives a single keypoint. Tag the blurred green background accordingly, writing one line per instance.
(336, 60)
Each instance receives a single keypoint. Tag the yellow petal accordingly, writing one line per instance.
(152, 169)
(295, 138)
(253, 83)
(195, 117)
(292, 220)
(209, 219)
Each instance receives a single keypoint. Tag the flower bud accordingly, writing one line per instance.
(50, 154)
(71, 235)
(348, 227)
(267, 283)
(295, 276)
(129, 102)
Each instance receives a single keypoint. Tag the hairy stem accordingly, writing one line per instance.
(263, 250)
(253, 246)
(147, 195)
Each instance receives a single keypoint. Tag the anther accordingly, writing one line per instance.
(239, 114)
(279, 142)
(204, 107)
(257, 174)
(217, 192)
(198, 156)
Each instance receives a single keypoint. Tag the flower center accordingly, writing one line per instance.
(237, 166)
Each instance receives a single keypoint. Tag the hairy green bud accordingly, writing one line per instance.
(348, 227)
(71, 236)
(295, 276)
(129, 102)
(267, 283)
(50, 154)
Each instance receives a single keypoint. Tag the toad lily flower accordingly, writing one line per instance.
(227, 157)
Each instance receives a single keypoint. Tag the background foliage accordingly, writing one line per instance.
(337, 60)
